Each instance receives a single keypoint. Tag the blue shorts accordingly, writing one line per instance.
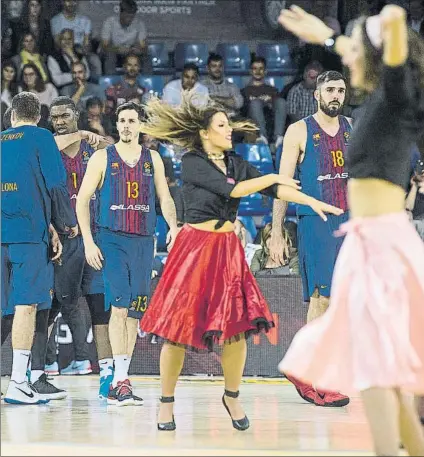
(318, 250)
(74, 278)
(127, 270)
(26, 276)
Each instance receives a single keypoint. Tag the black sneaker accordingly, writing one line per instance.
(47, 390)
(121, 395)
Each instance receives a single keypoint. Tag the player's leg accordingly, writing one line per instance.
(411, 430)
(30, 274)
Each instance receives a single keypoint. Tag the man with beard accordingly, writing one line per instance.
(316, 147)
(126, 178)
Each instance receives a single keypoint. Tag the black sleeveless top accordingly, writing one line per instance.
(391, 121)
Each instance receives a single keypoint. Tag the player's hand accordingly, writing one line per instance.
(56, 245)
(278, 250)
(171, 237)
(94, 256)
(93, 139)
(304, 25)
(321, 208)
(73, 232)
(286, 181)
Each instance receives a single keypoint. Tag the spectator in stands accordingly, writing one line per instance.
(123, 35)
(262, 103)
(128, 88)
(28, 53)
(9, 86)
(69, 19)
(32, 81)
(93, 119)
(221, 91)
(416, 15)
(262, 262)
(300, 99)
(60, 62)
(364, 8)
(33, 19)
(80, 90)
(415, 200)
(189, 82)
(246, 240)
(6, 34)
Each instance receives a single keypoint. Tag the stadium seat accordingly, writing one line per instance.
(237, 80)
(277, 57)
(249, 223)
(196, 53)
(166, 150)
(153, 83)
(276, 81)
(159, 58)
(236, 57)
(255, 205)
(161, 232)
(106, 81)
(259, 155)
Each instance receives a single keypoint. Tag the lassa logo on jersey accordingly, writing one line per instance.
(330, 177)
(122, 207)
(74, 197)
(147, 169)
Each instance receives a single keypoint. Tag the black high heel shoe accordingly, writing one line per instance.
(167, 426)
(240, 424)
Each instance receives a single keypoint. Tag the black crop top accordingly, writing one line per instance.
(206, 189)
(392, 119)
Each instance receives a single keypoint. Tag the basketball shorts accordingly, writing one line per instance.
(74, 277)
(26, 276)
(318, 249)
(127, 270)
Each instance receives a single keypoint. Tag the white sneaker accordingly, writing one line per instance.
(23, 394)
(279, 142)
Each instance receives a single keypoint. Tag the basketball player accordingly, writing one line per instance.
(33, 195)
(127, 178)
(73, 276)
(316, 146)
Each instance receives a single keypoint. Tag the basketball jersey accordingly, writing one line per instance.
(75, 170)
(127, 197)
(322, 173)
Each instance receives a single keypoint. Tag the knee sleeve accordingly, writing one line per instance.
(96, 305)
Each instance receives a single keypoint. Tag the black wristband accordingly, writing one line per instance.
(330, 43)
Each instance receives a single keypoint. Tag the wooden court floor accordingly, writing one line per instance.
(281, 423)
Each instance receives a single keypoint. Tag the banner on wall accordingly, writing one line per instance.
(284, 296)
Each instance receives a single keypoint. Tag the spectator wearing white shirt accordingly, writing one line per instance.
(81, 26)
(122, 35)
(189, 82)
(60, 62)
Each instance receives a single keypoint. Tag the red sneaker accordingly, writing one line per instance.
(332, 399)
(306, 391)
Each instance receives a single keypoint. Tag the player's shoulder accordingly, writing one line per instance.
(42, 132)
(297, 128)
(99, 157)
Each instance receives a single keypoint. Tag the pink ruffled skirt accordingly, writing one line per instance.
(372, 335)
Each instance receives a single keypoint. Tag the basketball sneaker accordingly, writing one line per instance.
(105, 384)
(52, 369)
(121, 395)
(306, 391)
(77, 368)
(23, 394)
(331, 399)
(47, 390)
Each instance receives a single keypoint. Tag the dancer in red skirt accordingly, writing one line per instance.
(207, 293)
(371, 339)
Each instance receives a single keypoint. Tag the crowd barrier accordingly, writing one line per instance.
(284, 295)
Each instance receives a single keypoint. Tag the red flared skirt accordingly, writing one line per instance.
(207, 293)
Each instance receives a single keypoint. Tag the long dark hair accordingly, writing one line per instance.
(39, 84)
(13, 88)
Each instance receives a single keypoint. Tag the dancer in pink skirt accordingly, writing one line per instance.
(371, 339)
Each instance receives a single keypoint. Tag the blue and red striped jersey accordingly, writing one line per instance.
(75, 170)
(127, 197)
(322, 172)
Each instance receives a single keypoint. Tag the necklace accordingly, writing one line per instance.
(216, 157)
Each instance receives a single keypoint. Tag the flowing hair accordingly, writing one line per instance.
(182, 125)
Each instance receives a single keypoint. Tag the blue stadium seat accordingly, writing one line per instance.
(278, 153)
(166, 150)
(276, 81)
(159, 58)
(106, 81)
(249, 223)
(196, 53)
(266, 220)
(153, 83)
(237, 80)
(236, 57)
(255, 205)
(259, 155)
(277, 57)
(161, 232)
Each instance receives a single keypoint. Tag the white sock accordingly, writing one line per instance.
(121, 370)
(106, 367)
(35, 375)
(19, 365)
(128, 362)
